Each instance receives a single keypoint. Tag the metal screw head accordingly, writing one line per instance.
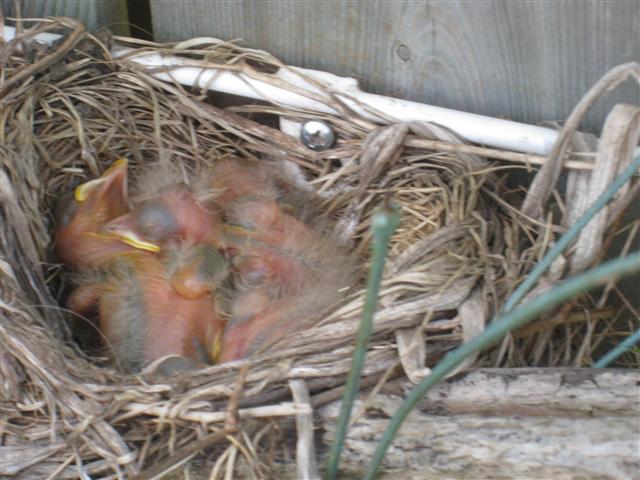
(317, 135)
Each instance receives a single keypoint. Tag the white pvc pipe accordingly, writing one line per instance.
(220, 80)
(479, 129)
(9, 33)
(489, 131)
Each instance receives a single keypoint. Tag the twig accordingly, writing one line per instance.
(543, 183)
(45, 62)
(183, 454)
(284, 409)
(491, 153)
(263, 132)
(231, 421)
(570, 235)
(383, 224)
(561, 319)
(305, 449)
(328, 396)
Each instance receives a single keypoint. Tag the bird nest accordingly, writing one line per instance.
(464, 243)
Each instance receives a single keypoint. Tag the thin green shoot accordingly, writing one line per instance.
(494, 332)
(383, 223)
(622, 347)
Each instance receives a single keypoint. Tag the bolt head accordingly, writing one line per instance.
(317, 135)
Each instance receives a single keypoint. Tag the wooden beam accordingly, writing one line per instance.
(491, 423)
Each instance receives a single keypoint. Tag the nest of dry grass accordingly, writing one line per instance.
(466, 240)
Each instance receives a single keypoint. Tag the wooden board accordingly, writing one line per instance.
(503, 423)
(94, 13)
(529, 61)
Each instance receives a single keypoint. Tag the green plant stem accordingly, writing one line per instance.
(383, 224)
(494, 332)
(570, 235)
(622, 347)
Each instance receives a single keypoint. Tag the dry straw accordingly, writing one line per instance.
(70, 109)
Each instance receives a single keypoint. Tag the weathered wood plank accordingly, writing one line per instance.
(505, 423)
(530, 61)
(567, 392)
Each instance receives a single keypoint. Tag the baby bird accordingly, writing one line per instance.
(144, 318)
(80, 216)
(175, 214)
(195, 214)
(141, 315)
(233, 177)
(268, 245)
(258, 318)
(255, 219)
(286, 273)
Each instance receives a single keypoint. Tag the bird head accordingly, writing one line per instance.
(197, 270)
(233, 177)
(94, 203)
(174, 214)
(253, 212)
(80, 215)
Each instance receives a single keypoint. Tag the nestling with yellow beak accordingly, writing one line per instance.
(141, 315)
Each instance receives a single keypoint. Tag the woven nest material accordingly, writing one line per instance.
(464, 243)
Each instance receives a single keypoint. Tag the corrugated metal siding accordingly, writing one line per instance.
(94, 14)
(529, 61)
